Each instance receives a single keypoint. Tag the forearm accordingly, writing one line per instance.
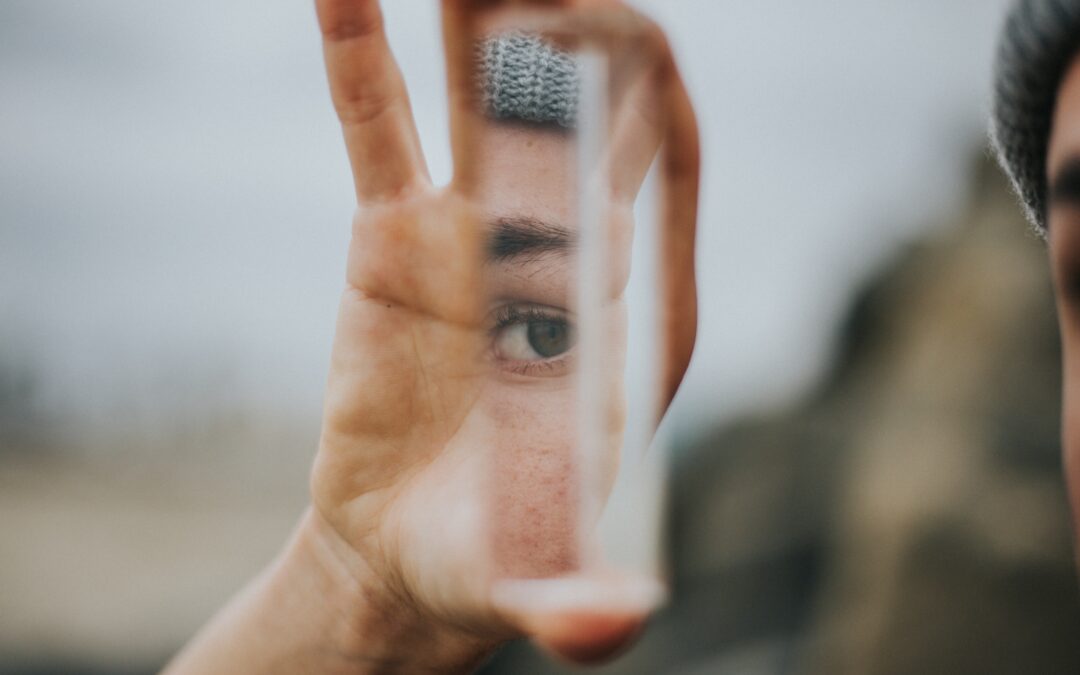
(313, 611)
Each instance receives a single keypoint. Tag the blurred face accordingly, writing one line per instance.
(1063, 218)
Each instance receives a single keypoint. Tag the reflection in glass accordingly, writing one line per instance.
(560, 146)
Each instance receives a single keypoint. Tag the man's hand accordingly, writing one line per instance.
(391, 568)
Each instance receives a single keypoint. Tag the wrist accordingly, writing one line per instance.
(360, 622)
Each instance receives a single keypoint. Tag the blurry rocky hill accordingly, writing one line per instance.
(909, 516)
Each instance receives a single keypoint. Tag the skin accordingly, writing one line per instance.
(446, 464)
(1063, 218)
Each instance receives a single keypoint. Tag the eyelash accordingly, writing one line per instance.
(509, 315)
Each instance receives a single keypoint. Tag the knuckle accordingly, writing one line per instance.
(366, 104)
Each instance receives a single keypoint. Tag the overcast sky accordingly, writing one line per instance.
(175, 199)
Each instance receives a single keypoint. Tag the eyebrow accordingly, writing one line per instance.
(1066, 186)
(522, 236)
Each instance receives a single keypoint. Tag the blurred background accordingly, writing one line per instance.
(866, 476)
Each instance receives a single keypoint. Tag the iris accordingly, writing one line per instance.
(549, 338)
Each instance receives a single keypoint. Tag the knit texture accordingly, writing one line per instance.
(1037, 44)
(525, 78)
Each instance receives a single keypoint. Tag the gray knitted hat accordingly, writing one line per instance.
(525, 78)
(1037, 44)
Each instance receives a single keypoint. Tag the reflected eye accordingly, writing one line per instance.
(525, 337)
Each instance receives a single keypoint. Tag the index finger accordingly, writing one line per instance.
(371, 100)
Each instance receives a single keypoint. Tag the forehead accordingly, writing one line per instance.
(527, 171)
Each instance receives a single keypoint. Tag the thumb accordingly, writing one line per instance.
(581, 619)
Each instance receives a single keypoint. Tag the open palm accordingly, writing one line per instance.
(401, 477)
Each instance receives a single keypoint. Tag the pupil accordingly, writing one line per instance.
(549, 338)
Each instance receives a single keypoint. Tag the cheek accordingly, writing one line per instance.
(1064, 262)
(1064, 253)
(1071, 420)
(533, 479)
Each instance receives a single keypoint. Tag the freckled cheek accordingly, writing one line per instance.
(1071, 435)
(534, 480)
(536, 471)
